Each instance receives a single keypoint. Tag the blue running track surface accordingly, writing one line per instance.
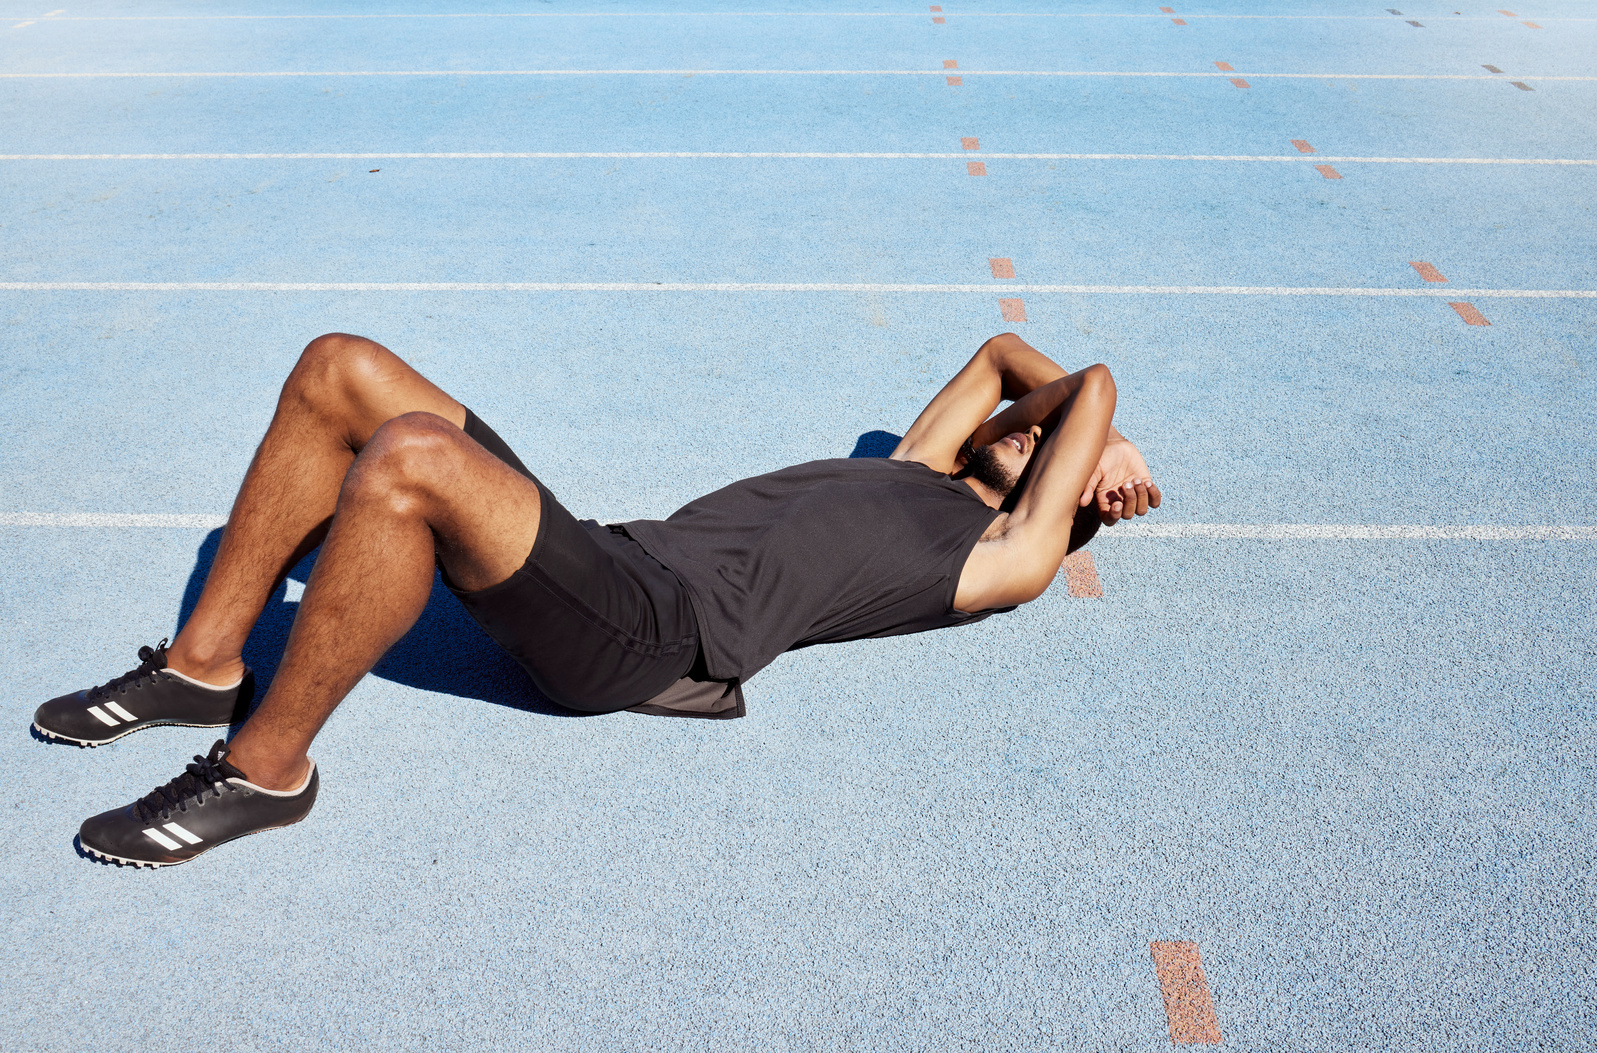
(1315, 771)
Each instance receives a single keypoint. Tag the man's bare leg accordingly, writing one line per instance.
(420, 486)
(341, 391)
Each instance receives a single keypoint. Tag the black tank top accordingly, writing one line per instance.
(819, 553)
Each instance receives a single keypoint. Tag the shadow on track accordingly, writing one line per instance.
(444, 652)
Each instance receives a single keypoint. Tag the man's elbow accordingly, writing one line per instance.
(1098, 383)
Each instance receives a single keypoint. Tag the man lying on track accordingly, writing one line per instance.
(365, 457)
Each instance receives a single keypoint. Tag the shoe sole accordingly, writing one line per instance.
(56, 736)
(112, 860)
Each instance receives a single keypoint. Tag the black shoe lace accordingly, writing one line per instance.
(207, 775)
(151, 659)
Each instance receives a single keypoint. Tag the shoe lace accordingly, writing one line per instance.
(207, 775)
(151, 659)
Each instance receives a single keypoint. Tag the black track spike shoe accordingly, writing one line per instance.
(209, 804)
(145, 697)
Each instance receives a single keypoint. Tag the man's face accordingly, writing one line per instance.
(998, 466)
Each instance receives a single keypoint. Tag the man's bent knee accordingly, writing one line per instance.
(334, 368)
(410, 458)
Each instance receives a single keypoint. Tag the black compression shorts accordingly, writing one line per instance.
(598, 623)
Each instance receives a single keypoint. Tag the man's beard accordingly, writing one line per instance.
(985, 467)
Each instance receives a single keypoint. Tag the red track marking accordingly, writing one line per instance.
(1521, 85)
(1186, 993)
(1179, 21)
(1239, 82)
(1532, 25)
(1002, 267)
(1081, 575)
(1429, 273)
(1490, 68)
(949, 63)
(1467, 312)
(1014, 310)
(970, 143)
(976, 167)
(1226, 66)
(1303, 146)
(939, 21)
(1328, 172)
(954, 82)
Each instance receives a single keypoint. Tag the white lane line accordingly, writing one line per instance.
(1348, 532)
(757, 14)
(806, 287)
(1211, 74)
(117, 520)
(547, 155)
(1138, 531)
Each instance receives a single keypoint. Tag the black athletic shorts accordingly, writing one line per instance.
(598, 623)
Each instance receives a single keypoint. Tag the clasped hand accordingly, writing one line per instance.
(1120, 484)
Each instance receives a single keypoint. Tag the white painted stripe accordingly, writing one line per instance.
(184, 834)
(162, 840)
(1157, 74)
(111, 519)
(1295, 158)
(758, 14)
(803, 287)
(1135, 530)
(1349, 532)
(103, 717)
(119, 711)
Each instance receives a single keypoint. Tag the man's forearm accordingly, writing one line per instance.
(1022, 370)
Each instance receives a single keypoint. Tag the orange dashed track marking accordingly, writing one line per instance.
(1510, 14)
(1014, 310)
(975, 168)
(1179, 21)
(1186, 992)
(1468, 312)
(1081, 575)
(954, 82)
(1303, 146)
(1239, 82)
(949, 63)
(1429, 273)
(1168, 10)
(1226, 67)
(1532, 25)
(970, 142)
(939, 21)
(1002, 267)
(1328, 172)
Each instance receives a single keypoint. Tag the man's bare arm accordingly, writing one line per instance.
(1005, 367)
(1018, 564)
(1024, 370)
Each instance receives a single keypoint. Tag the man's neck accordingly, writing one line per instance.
(990, 497)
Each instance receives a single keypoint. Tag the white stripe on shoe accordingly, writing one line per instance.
(184, 834)
(162, 840)
(103, 717)
(119, 711)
